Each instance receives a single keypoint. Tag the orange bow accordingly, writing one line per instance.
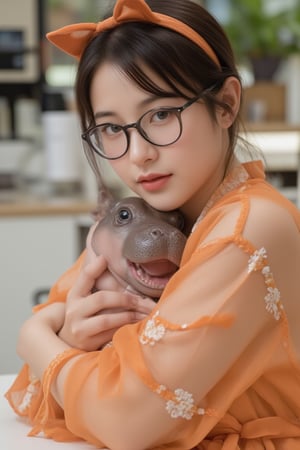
(73, 39)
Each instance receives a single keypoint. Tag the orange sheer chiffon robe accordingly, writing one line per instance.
(216, 365)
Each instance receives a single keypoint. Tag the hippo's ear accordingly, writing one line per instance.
(104, 203)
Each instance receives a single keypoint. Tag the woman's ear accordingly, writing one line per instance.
(230, 94)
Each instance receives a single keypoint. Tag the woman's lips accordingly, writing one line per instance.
(153, 183)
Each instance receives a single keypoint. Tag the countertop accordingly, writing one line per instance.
(18, 205)
(13, 430)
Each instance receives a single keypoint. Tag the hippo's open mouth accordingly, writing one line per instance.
(153, 274)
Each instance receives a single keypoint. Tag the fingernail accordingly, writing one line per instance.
(140, 316)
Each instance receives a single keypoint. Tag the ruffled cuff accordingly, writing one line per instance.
(25, 394)
(49, 418)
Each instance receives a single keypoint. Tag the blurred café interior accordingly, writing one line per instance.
(47, 189)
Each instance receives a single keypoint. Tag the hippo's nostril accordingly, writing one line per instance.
(156, 233)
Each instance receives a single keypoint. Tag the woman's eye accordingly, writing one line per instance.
(111, 129)
(161, 115)
(123, 216)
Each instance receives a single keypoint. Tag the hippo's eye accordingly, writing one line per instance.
(123, 216)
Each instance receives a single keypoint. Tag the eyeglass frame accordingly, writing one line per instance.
(178, 110)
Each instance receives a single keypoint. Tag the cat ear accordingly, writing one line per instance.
(73, 39)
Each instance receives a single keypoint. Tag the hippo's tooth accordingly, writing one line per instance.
(141, 274)
(139, 270)
(145, 278)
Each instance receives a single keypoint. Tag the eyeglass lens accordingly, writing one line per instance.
(160, 127)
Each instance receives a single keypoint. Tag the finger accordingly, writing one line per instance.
(145, 305)
(102, 301)
(108, 322)
(110, 301)
(98, 341)
(88, 276)
(87, 335)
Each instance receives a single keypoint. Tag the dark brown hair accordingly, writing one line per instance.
(182, 64)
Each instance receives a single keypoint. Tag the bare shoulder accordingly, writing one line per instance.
(269, 221)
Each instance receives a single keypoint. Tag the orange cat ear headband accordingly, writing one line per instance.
(73, 39)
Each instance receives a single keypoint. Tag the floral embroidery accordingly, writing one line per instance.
(259, 261)
(272, 300)
(182, 405)
(153, 331)
(236, 178)
(31, 391)
(161, 388)
(266, 271)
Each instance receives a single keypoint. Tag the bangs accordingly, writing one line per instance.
(139, 48)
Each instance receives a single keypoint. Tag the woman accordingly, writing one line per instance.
(215, 365)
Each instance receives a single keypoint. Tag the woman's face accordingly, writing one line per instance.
(181, 175)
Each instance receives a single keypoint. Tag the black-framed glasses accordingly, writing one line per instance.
(159, 126)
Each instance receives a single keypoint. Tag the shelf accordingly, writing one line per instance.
(279, 144)
(27, 206)
(281, 148)
(271, 127)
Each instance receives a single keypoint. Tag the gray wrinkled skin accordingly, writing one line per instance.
(142, 246)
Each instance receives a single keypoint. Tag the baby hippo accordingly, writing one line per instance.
(142, 247)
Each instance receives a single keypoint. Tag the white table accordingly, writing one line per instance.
(13, 431)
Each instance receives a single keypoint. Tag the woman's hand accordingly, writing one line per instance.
(92, 318)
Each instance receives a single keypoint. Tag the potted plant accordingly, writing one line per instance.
(263, 37)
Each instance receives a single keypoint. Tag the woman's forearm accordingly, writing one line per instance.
(38, 343)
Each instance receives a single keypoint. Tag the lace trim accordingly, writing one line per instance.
(234, 179)
(156, 326)
(44, 414)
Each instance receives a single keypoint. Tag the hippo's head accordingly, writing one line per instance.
(142, 246)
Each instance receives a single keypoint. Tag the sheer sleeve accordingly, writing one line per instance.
(167, 381)
(25, 394)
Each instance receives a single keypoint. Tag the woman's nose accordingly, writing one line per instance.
(140, 151)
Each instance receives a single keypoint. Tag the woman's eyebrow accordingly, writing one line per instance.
(142, 103)
(100, 114)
